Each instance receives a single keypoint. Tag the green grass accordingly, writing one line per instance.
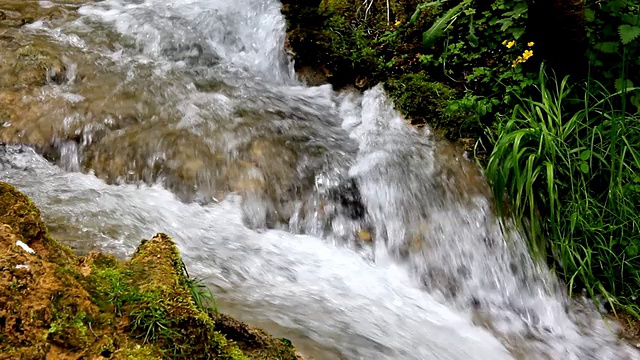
(202, 296)
(568, 163)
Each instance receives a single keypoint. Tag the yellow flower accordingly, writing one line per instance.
(530, 44)
(504, 42)
(519, 60)
(510, 44)
(527, 54)
(398, 23)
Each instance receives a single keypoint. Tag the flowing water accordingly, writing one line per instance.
(319, 215)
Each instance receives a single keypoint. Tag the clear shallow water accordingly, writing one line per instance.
(267, 185)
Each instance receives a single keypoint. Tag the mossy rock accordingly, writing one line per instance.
(428, 102)
(22, 217)
(19, 212)
(45, 311)
(57, 305)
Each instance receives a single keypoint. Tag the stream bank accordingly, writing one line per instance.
(348, 44)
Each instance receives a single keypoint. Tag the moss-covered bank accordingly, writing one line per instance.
(346, 43)
(56, 305)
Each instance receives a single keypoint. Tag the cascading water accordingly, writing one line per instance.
(198, 99)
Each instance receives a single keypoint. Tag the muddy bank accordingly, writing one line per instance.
(58, 305)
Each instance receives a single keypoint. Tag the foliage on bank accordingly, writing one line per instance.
(57, 305)
(573, 178)
(563, 150)
(363, 44)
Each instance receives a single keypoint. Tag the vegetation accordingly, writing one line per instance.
(561, 143)
(574, 178)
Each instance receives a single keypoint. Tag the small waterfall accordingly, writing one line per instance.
(322, 212)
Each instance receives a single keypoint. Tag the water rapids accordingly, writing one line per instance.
(319, 215)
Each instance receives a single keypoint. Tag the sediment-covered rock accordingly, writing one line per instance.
(56, 305)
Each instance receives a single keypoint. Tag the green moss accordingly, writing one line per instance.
(146, 352)
(162, 310)
(68, 329)
(154, 294)
(255, 343)
(21, 214)
(17, 211)
(69, 275)
(425, 101)
(335, 6)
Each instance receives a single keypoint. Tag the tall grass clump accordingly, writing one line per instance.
(567, 161)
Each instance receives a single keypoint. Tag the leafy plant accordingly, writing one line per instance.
(613, 28)
(202, 296)
(117, 291)
(150, 319)
(441, 24)
(570, 169)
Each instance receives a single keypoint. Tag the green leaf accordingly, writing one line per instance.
(520, 8)
(419, 9)
(584, 167)
(623, 84)
(517, 33)
(628, 33)
(482, 110)
(473, 40)
(585, 155)
(616, 5)
(506, 23)
(632, 250)
(589, 15)
(438, 28)
(635, 101)
(608, 47)
(630, 19)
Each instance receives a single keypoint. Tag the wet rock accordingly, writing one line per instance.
(84, 112)
(348, 196)
(313, 76)
(364, 235)
(21, 218)
(193, 54)
(253, 341)
(14, 14)
(38, 65)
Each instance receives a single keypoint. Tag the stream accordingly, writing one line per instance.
(321, 216)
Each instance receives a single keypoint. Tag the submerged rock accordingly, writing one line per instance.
(58, 305)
